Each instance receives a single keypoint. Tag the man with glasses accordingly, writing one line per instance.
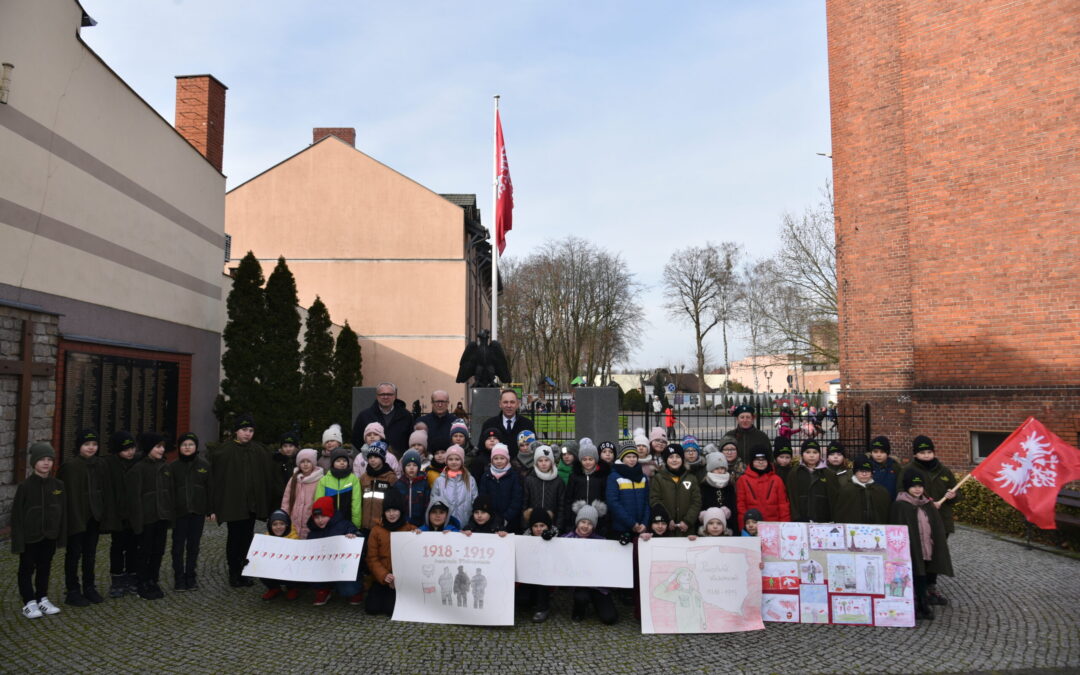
(389, 411)
(438, 421)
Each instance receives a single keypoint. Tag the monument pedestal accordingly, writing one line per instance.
(485, 404)
(597, 414)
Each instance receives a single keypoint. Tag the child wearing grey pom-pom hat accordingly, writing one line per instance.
(585, 521)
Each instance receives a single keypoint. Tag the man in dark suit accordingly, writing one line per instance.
(438, 421)
(509, 423)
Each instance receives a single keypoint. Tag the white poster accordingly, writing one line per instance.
(574, 562)
(329, 559)
(450, 578)
(711, 585)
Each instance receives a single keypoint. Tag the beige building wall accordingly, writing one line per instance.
(100, 200)
(383, 252)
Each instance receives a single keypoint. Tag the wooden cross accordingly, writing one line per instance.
(26, 369)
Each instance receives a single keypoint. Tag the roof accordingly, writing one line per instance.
(688, 382)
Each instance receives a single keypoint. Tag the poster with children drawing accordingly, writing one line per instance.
(780, 608)
(769, 534)
(329, 559)
(711, 585)
(449, 578)
(793, 541)
(851, 574)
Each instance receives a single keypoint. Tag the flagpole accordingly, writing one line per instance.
(494, 225)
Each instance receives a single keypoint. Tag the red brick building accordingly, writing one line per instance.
(956, 159)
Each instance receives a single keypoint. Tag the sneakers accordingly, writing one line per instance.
(934, 597)
(31, 610)
(190, 582)
(271, 594)
(76, 599)
(357, 599)
(132, 581)
(240, 582)
(540, 617)
(180, 584)
(46, 606)
(118, 587)
(150, 591)
(91, 594)
(322, 596)
(292, 594)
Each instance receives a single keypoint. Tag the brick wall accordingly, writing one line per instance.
(955, 150)
(200, 114)
(347, 134)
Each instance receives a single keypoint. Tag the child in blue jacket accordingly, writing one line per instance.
(414, 488)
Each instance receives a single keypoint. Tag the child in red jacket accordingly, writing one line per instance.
(760, 488)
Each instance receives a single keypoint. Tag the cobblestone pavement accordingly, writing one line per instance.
(1012, 609)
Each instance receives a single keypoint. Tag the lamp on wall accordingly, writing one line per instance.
(5, 82)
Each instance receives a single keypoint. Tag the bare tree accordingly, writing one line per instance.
(563, 311)
(699, 285)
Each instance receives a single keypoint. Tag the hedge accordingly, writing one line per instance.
(983, 508)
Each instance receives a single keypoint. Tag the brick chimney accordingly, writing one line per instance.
(200, 114)
(347, 134)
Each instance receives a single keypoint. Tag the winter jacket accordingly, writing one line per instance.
(783, 471)
(245, 483)
(299, 496)
(150, 493)
(765, 492)
(323, 462)
(680, 495)
(86, 485)
(903, 513)
(191, 486)
(438, 430)
(374, 492)
(434, 470)
(887, 474)
(584, 489)
(417, 494)
(745, 439)
(725, 496)
(346, 493)
(627, 498)
(335, 527)
(116, 505)
(397, 425)
(939, 480)
(565, 470)
(283, 469)
(359, 463)
(811, 495)
(859, 503)
(38, 512)
(506, 495)
(455, 493)
(378, 551)
(494, 525)
(542, 494)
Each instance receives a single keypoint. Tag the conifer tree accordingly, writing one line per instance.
(243, 358)
(347, 362)
(317, 383)
(282, 361)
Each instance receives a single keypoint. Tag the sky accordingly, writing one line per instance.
(644, 127)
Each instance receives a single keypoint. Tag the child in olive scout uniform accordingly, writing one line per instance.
(85, 478)
(123, 544)
(940, 485)
(38, 526)
(150, 508)
(191, 492)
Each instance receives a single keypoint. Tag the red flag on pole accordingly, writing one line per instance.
(504, 189)
(1029, 469)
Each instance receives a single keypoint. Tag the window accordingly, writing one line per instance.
(985, 442)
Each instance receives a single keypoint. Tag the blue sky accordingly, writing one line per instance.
(643, 126)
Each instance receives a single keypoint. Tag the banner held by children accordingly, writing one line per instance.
(449, 578)
(837, 573)
(329, 559)
(573, 562)
(1029, 469)
(710, 585)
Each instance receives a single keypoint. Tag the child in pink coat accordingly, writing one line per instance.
(300, 490)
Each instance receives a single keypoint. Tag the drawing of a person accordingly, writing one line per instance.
(681, 588)
(446, 585)
(479, 585)
(461, 587)
(870, 576)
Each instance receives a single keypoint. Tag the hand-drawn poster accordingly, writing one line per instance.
(828, 536)
(330, 559)
(793, 541)
(451, 578)
(769, 534)
(813, 603)
(851, 574)
(851, 609)
(595, 562)
(711, 585)
(781, 608)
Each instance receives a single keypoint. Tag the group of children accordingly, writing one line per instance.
(645, 488)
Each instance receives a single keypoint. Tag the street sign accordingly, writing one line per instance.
(671, 387)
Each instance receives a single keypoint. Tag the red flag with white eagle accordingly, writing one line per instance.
(504, 189)
(1029, 469)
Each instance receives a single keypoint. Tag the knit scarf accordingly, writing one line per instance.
(718, 480)
(453, 474)
(926, 539)
(545, 475)
(495, 471)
